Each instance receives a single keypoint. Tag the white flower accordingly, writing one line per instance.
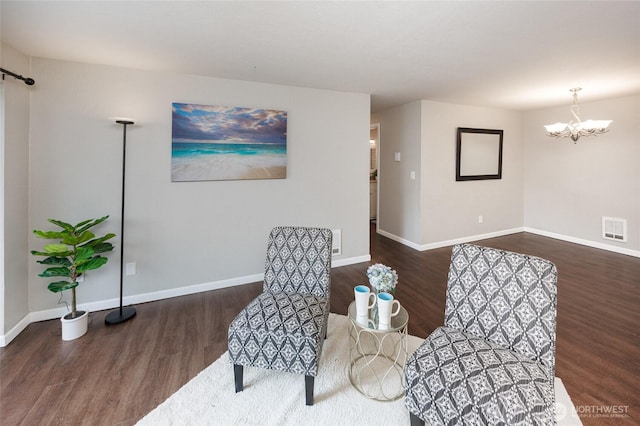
(382, 278)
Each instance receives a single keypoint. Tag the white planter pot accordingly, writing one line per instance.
(72, 328)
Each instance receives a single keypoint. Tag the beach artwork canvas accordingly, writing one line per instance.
(227, 143)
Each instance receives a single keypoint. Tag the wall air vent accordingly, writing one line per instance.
(336, 247)
(614, 229)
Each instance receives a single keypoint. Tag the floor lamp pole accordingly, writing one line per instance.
(126, 313)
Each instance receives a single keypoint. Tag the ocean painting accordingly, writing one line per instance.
(227, 143)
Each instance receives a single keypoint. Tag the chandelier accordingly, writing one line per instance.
(577, 128)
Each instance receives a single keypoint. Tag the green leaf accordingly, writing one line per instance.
(64, 225)
(94, 263)
(53, 260)
(56, 271)
(99, 240)
(74, 240)
(60, 250)
(102, 248)
(59, 286)
(49, 235)
(83, 226)
(83, 254)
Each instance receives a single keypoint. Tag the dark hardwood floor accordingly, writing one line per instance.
(115, 375)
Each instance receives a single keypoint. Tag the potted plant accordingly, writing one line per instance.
(77, 251)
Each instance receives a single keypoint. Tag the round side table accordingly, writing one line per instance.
(377, 356)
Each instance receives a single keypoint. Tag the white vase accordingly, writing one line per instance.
(72, 328)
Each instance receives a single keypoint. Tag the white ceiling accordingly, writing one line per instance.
(515, 55)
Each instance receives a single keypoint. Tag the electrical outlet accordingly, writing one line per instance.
(131, 268)
(480, 219)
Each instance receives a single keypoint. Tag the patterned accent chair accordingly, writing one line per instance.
(285, 326)
(493, 362)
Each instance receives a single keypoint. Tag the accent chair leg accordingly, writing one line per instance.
(237, 375)
(308, 387)
(415, 420)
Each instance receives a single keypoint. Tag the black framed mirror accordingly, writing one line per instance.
(479, 154)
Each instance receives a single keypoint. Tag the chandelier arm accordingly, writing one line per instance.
(576, 114)
(575, 111)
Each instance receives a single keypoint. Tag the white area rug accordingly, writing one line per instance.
(277, 398)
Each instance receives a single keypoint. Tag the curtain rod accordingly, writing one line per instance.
(28, 81)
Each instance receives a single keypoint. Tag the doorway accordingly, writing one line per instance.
(374, 176)
(2, 153)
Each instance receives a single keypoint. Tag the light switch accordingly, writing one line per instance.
(413, 175)
(396, 156)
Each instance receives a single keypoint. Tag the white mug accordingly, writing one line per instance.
(385, 309)
(364, 301)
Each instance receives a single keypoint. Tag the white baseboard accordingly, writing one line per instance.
(588, 243)
(462, 240)
(594, 244)
(101, 305)
(148, 297)
(15, 330)
(192, 289)
(398, 239)
(350, 261)
(446, 243)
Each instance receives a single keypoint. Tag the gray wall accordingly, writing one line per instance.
(185, 237)
(399, 205)
(450, 209)
(434, 210)
(62, 158)
(15, 180)
(550, 187)
(569, 187)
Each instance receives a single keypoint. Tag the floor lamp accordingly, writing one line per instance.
(126, 313)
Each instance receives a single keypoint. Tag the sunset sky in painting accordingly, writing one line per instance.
(206, 123)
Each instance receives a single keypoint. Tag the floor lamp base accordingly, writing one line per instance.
(120, 315)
